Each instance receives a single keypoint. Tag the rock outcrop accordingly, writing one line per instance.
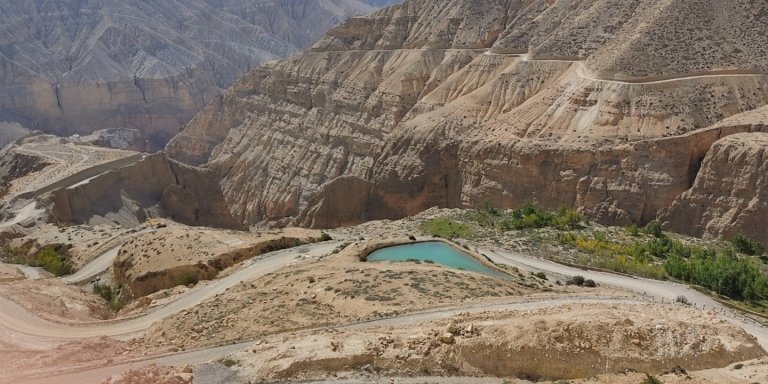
(453, 103)
(730, 194)
(73, 67)
(153, 187)
(177, 255)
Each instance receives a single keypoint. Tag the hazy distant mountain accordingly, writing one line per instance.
(75, 66)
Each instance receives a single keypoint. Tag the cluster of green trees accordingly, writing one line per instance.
(723, 272)
(720, 270)
(45, 258)
(528, 216)
(724, 269)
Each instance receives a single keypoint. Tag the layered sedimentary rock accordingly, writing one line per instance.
(730, 194)
(73, 67)
(178, 255)
(153, 187)
(455, 103)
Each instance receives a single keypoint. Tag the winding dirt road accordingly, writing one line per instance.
(18, 320)
(95, 267)
(654, 289)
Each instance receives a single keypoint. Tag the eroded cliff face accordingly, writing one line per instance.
(153, 187)
(74, 67)
(454, 103)
(730, 195)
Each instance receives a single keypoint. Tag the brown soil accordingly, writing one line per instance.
(333, 290)
(564, 342)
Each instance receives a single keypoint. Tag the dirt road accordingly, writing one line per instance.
(17, 319)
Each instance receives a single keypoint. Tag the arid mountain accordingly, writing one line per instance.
(609, 106)
(77, 66)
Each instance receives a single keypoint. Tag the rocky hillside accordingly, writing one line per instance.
(610, 106)
(75, 66)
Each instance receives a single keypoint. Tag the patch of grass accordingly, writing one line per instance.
(613, 255)
(528, 216)
(447, 229)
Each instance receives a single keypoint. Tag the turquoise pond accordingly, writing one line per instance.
(437, 252)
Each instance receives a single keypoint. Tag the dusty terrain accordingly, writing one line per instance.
(40, 161)
(335, 289)
(179, 255)
(564, 342)
(329, 316)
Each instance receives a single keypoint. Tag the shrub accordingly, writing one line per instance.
(540, 275)
(651, 380)
(227, 362)
(110, 294)
(589, 283)
(187, 278)
(576, 280)
(325, 237)
(633, 230)
(747, 246)
(653, 228)
(105, 291)
(682, 300)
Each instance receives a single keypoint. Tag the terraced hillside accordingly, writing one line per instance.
(609, 106)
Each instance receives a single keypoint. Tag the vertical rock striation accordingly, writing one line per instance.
(454, 103)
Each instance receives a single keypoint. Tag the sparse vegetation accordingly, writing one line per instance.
(682, 300)
(576, 280)
(447, 229)
(651, 380)
(187, 278)
(719, 270)
(46, 258)
(747, 246)
(528, 216)
(613, 255)
(724, 273)
(227, 362)
(654, 229)
(325, 237)
(110, 294)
